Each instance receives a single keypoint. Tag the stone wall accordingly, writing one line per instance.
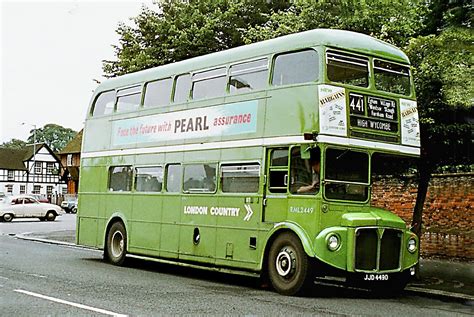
(448, 215)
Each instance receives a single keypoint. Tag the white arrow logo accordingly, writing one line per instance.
(249, 213)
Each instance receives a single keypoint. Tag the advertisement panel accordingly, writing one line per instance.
(231, 119)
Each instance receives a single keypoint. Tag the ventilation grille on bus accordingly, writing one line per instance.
(374, 253)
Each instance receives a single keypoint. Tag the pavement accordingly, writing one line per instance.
(443, 279)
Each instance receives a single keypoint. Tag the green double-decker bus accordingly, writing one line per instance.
(255, 160)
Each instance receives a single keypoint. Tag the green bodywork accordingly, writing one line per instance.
(157, 224)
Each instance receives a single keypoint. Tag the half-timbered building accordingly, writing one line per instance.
(35, 169)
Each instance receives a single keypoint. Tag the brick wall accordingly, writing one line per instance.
(448, 214)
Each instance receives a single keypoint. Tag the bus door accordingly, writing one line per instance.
(238, 214)
(292, 191)
(276, 189)
(304, 199)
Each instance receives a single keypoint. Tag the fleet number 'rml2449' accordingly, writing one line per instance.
(302, 210)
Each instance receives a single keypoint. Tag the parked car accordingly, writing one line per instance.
(70, 205)
(24, 206)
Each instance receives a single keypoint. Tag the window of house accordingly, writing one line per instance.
(22, 189)
(158, 93)
(11, 175)
(182, 88)
(104, 103)
(208, 84)
(240, 178)
(9, 188)
(49, 190)
(149, 179)
(38, 168)
(49, 168)
(174, 174)
(69, 160)
(120, 178)
(347, 68)
(199, 178)
(248, 76)
(37, 189)
(129, 99)
(295, 68)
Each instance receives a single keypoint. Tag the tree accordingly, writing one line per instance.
(394, 23)
(13, 144)
(178, 30)
(55, 136)
(443, 78)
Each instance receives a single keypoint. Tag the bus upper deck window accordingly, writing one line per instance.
(208, 84)
(182, 88)
(295, 68)
(158, 93)
(104, 104)
(347, 69)
(129, 99)
(248, 76)
(392, 77)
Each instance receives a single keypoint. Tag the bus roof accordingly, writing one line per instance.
(347, 40)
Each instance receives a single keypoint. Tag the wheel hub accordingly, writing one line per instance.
(286, 262)
(117, 244)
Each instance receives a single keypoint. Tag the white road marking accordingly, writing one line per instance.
(36, 275)
(57, 300)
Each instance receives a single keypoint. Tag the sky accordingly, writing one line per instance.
(51, 53)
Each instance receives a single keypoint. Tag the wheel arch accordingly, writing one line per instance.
(277, 230)
(53, 211)
(115, 217)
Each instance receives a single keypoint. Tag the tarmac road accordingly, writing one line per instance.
(35, 276)
(47, 279)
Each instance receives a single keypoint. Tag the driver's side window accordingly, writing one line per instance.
(305, 173)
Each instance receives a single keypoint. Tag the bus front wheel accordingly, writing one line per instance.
(289, 268)
(116, 245)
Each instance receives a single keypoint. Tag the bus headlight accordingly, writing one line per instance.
(333, 242)
(411, 245)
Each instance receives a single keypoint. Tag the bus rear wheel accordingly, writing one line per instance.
(289, 268)
(116, 244)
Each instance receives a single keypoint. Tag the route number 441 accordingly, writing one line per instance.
(356, 104)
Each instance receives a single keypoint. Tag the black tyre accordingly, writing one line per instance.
(289, 267)
(7, 217)
(74, 210)
(116, 244)
(51, 216)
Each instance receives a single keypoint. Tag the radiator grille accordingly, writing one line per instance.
(375, 252)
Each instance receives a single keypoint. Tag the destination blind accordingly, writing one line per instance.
(367, 112)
